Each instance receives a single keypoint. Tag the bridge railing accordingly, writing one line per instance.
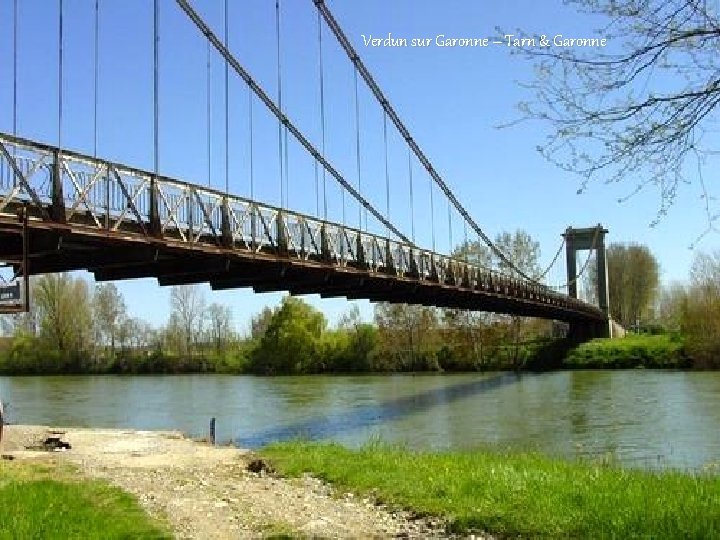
(87, 192)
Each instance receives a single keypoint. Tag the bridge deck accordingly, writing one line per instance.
(122, 223)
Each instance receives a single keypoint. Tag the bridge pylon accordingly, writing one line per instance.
(588, 238)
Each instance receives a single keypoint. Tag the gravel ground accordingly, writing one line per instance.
(207, 492)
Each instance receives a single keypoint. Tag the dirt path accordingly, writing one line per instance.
(207, 492)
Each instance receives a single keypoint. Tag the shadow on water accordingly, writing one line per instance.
(327, 426)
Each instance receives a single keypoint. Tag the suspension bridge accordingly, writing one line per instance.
(62, 209)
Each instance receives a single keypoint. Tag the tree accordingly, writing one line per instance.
(639, 107)
(701, 311)
(260, 322)
(109, 311)
(220, 325)
(521, 249)
(188, 302)
(633, 279)
(64, 308)
(291, 343)
(524, 252)
(466, 327)
(407, 338)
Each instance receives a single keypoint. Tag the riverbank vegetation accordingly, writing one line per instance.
(649, 351)
(517, 495)
(49, 501)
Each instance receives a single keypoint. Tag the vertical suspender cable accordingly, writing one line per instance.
(209, 120)
(467, 246)
(156, 87)
(227, 109)
(60, 73)
(432, 214)
(322, 112)
(279, 82)
(357, 149)
(387, 170)
(95, 82)
(412, 203)
(450, 238)
(15, 64)
(250, 137)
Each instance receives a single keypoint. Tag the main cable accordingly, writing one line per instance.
(202, 26)
(405, 133)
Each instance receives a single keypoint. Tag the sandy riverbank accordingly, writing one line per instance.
(207, 492)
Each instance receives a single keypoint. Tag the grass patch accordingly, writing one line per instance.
(632, 351)
(49, 501)
(518, 494)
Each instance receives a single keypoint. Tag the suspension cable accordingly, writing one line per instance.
(432, 214)
(357, 147)
(95, 81)
(450, 235)
(227, 108)
(156, 83)
(552, 263)
(412, 203)
(387, 168)
(280, 104)
(60, 74)
(405, 133)
(202, 26)
(209, 120)
(250, 141)
(322, 112)
(15, 65)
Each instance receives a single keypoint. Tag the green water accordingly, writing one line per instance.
(641, 418)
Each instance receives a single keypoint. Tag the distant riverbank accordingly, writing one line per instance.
(665, 351)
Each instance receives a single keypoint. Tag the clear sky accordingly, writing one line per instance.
(451, 98)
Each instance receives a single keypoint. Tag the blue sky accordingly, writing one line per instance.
(452, 100)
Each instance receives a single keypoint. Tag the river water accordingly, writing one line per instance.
(648, 419)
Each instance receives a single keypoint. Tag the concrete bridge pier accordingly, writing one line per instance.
(580, 240)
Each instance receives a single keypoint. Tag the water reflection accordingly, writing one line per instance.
(330, 425)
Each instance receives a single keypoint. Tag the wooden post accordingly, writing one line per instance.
(212, 431)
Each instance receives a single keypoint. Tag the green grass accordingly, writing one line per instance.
(47, 501)
(524, 495)
(659, 351)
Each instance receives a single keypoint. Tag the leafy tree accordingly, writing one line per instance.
(407, 338)
(64, 308)
(292, 341)
(643, 106)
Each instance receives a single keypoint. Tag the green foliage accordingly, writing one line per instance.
(649, 351)
(517, 495)
(39, 503)
(292, 341)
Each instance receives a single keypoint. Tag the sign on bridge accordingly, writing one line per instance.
(10, 293)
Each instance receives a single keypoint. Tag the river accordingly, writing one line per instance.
(649, 419)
